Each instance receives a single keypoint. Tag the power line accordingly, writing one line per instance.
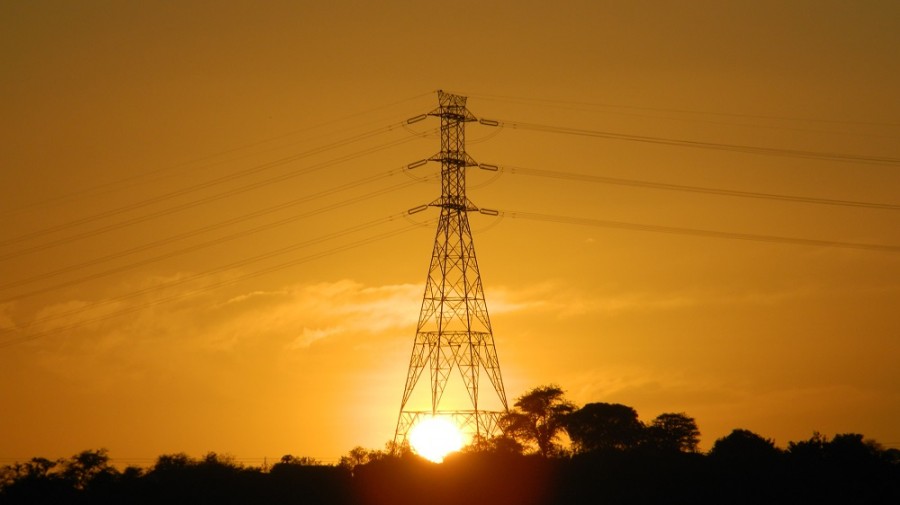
(512, 99)
(214, 182)
(600, 223)
(216, 270)
(570, 176)
(205, 229)
(103, 188)
(188, 249)
(522, 215)
(770, 151)
(216, 285)
(204, 200)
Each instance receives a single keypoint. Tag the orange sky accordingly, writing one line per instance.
(126, 324)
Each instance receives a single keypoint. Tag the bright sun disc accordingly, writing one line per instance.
(434, 438)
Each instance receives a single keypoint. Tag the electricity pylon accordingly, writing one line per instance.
(454, 330)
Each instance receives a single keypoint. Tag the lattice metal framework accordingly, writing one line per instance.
(454, 330)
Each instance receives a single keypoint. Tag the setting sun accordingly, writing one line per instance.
(434, 438)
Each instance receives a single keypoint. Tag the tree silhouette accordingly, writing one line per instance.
(36, 481)
(604, 426)
(538, 418)
(741, 468)
(745, 448)
(846, 469)
(85, 467)
(359, 456)
(673, 432)
(501, 444)
(172, 462)
(289, 459)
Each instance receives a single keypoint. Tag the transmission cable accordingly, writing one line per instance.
(770, 151)
(200, 201)
(571, 104)
(214, 182)
(210, 272)
(106, 187)
(570, 176)
(600, 223)
(211, 287)
(191, 248)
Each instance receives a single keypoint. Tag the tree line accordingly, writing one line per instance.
(551, 452)
(541, 415)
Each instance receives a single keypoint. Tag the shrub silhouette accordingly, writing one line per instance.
(603, 427)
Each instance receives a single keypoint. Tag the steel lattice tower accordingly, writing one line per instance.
(454, 330)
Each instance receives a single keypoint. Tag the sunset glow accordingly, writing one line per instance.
(206, 242)
(434, 438)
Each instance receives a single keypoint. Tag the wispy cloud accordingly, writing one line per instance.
(301, 315)
(6, 319)
(647, 385)
(293, 317)
(566, 301)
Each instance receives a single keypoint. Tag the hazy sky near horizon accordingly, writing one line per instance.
(203, 244)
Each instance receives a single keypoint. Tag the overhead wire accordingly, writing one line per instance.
(688, 116)
(571, 176)
(490, 180)
(105, 187)
(200, 201)
(485, 138)
(213, 182)
(580, 105)
(601, 223)
(511, 214)
(770, 151)
(205, 274)
(201, 245)
(515, 170)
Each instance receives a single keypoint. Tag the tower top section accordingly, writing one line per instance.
(452, 107)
